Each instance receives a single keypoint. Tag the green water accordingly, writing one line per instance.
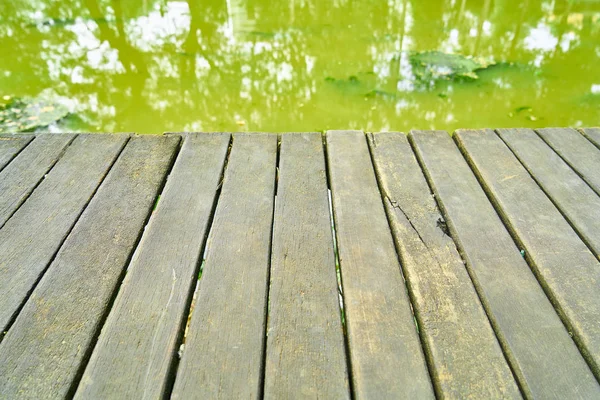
(300, 65)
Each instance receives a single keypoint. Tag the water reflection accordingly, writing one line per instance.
(157, 65)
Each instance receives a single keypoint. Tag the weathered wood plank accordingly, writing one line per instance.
(593, 135)
(29, 240)
(577, 151)
(452, 322)
(22, 175)
(135, 350)
(42, 354)
(542, 355)
(575, 199)
(223, 352)
(10, 146)
(563, 264)
(387, 360)
(305, 355)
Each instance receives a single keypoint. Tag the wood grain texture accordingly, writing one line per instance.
(43, 352)
(10, 146)
(30, 239)
(542, 355)
(461, 346)
(134, 353)
(577, 151)
(305, 355)
(223, 353)
(23, 174)
(563, 264)
(570, 194)
(593, 135)
(387, 360)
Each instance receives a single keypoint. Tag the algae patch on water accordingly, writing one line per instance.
(431, 66)
(27, 114)
(427, 69)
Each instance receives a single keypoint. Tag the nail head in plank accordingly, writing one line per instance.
(223, 352)
(387, 360)
(565, 267)
(31, 237)
(43, 352)
(139, 339)
(541, 353)
(571, 195)
(305, 342)
(22, 175)
(452, 321)
(593, 135)
(577, 151)
(10, 146)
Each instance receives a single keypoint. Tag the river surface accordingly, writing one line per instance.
(301, 65)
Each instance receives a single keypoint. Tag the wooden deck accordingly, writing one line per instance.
(343, 265)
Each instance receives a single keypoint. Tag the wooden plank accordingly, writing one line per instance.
(135, 350)
(22, 175)
(563, 264)
(10, 146)
(542, 355)
(305, 355)
(593, 135)
(569, 193)
(387, 360)
(452, 322)
(223, 353)
(577, 151)
(30, 239)
(44, 351)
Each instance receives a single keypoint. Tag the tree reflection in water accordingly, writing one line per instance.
(157, 65)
